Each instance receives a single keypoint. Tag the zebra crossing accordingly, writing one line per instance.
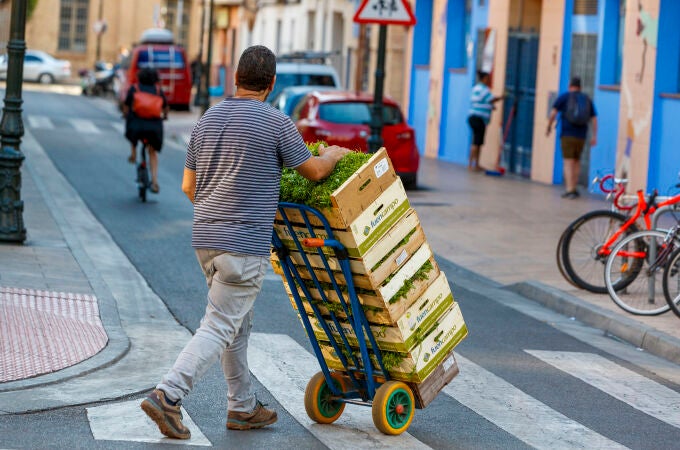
(78, 125)
(284, 367)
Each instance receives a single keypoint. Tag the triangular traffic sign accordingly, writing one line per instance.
(385, 12)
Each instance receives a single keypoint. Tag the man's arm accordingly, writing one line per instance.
(319, 167)
(189, 183)
(551, 120)
(593, 130)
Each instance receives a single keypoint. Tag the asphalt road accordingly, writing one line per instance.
(528, 395)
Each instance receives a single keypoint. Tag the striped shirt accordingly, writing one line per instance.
(238, 149)
(480, 102)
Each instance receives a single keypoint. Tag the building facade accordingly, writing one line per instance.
(627, 53)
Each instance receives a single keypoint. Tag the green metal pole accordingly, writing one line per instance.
(11, 130)
(206, 98)
(375, 140)
(199, 100)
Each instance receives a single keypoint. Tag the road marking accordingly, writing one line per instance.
(518, 413)
(84, 126)
(623, 384)
(284, 368)
(127, 422)
(118, 126)
(43, 122)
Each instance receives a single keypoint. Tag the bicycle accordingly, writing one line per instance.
(589, 240)
(671, 282)
(641, 258)
(143, 179)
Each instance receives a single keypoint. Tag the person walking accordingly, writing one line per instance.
(232, 175)
(577, 112)
(481, 105)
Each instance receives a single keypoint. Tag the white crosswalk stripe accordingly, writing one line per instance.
(84, 126)
(40, 122)
(118, 126)
(518, 413)
(284, 367)
(625, 385)
(127, 422)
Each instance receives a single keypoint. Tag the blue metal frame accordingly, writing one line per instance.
(360, 371)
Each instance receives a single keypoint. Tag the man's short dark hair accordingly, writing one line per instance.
(575, 82)
(148, 76)
(481, 74)
(256, 68)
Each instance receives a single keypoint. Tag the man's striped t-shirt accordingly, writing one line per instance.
(480, 102)
(238, 149)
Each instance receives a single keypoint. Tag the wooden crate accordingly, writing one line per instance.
(355, 195)
(365, 230)
(423, 359)
(391, 251)
(377, 304)
(409, 329)
(425, 392)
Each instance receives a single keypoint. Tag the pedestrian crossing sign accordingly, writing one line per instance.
(385, 12)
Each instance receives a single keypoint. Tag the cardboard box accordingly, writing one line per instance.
(425, 392)
(384, 258)
(354, 196)
(365, 230)
(377, 304)
(423, 359)
(408, 329)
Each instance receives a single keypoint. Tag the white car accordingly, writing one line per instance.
(290, 71)
(40, 66)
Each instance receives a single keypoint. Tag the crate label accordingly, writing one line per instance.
(381, 167)
(401, 258)
(448, 363)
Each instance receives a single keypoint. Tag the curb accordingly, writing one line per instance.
(642, 336)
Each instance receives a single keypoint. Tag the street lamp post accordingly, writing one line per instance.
(198, 101)
(11, 130)
(375, 140)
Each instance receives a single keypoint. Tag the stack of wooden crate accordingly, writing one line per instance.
(406, 298)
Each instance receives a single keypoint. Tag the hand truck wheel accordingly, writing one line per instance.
(393, 407)
(319, 404)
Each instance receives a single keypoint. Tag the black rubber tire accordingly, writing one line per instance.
(580, 245)
(671, 277)
(45, 78)
(559, 257)
(142, 193)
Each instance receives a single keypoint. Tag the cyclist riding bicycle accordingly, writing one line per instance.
(144, 109)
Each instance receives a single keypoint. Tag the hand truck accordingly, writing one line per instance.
(360, 383)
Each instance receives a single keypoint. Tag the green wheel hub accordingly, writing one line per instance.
(399, 407)
(328, 407)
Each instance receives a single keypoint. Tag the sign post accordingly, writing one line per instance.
(383, 13)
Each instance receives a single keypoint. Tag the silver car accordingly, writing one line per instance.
(40, 66)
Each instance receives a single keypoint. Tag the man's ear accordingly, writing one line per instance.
(271, 85)
(236, 78)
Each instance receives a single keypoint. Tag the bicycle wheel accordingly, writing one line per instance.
(671, 282)
(559, 257)
(582, 240)
(636, 258)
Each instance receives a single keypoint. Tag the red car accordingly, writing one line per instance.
(342, 118)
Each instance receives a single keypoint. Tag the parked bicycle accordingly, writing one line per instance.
(587, 242)
(642, 259)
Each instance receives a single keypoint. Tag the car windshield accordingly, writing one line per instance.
(356, 113)
(284, 80)
(160, 58)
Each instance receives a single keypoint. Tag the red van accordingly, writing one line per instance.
(157, 50)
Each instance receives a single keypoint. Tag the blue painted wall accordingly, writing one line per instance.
(664, 152)
(455, 134)
(420, 72)
(565, 64)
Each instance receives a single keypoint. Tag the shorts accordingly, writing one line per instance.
(139, 129)
(572, 147)
(478, 129)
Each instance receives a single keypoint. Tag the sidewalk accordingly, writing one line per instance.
(501, 230)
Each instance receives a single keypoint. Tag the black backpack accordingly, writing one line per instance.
(578, 109)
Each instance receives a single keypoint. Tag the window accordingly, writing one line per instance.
(73, 18)
(585, 7)
(358, 113)
(160, 58)
(176, 17)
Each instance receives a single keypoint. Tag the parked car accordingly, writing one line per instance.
(289, 97)
(342, 118)
(157, 50)
(40, 66)
(304, 69)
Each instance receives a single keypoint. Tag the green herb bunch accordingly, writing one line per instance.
(297, 189)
